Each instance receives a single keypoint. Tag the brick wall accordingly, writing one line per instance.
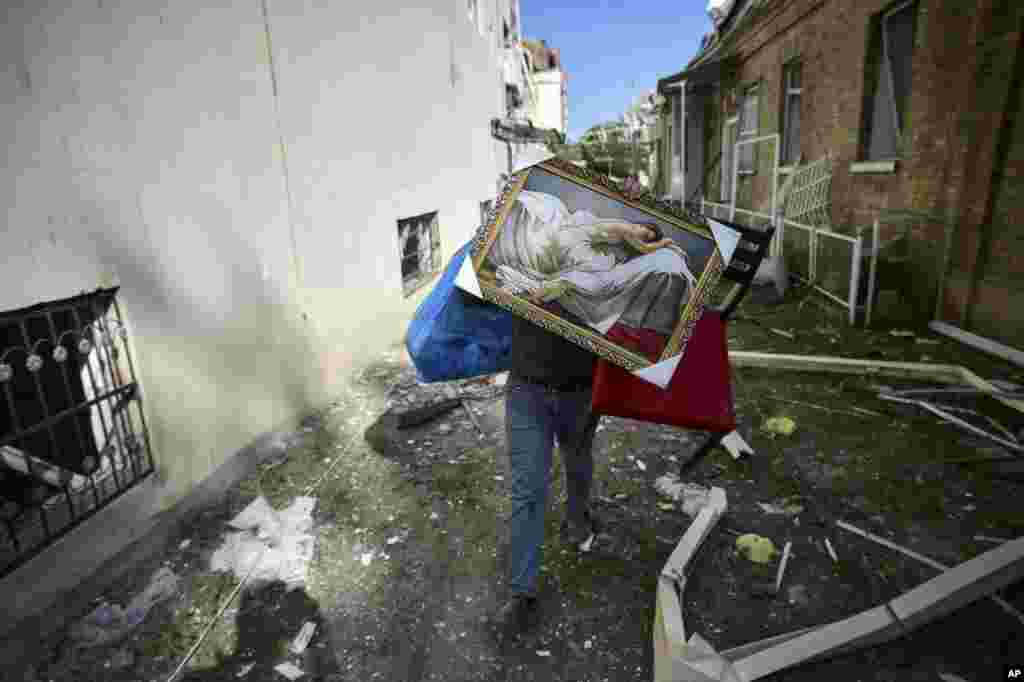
(956, 105)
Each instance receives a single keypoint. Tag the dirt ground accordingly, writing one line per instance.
(410, 543)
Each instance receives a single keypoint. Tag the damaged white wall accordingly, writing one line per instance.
(254, 237)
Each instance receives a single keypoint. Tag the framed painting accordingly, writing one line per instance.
(626, 278)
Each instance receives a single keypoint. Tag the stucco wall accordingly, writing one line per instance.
(254, 237)
(549, 111)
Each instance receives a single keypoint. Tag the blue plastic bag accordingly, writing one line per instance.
(455, 335)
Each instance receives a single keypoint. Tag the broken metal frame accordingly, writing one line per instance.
(860, 246)
(915, 371)
(681, 659)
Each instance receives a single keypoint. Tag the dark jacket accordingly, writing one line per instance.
(543, 356)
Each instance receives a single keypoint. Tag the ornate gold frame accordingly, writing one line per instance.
(584, 337)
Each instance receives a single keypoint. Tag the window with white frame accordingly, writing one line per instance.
(890, 64)
(747, 130)
(791, 91)
(419, 243)
(728, 148)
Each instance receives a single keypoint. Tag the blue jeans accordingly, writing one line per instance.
(534, 416)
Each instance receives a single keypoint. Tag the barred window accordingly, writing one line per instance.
(419, 242)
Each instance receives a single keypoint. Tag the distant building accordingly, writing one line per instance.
(549, 83)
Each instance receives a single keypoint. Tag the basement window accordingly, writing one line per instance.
(889, 82)
(72, 433)
(419, 242)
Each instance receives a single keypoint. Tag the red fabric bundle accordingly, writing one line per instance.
(699, 396)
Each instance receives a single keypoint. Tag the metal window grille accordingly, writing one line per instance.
(73, 436)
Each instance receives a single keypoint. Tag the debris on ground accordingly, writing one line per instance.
(289, 670)
(797, 595)
(282, 538)
(110, 623)
(781, 509)
(831, 551)
(956, 421)
(756, 548)
(427, 413)
(1001, 603)
(122, 658)
(782, 565)
(691, 497)
(245, 669)
(782, 332)
(780, 426)
(735, 445)
(302, 639)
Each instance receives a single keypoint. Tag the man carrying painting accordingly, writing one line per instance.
(548, 397)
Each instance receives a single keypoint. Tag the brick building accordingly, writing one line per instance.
(916, 104)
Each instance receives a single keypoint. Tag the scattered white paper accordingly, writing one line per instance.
(366, 558)
(289, 670)
(588, 644)
(641, 466)
(282, 539)
(184, 544)
(544, 653)
(245, 670)
(586, 546)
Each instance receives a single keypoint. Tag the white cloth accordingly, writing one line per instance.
(546, 243)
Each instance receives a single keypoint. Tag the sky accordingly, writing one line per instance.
(609, 45)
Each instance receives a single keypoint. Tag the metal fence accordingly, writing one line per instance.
(73, 437)
(831, 262)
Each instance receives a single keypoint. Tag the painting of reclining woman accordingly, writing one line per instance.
(610, 272)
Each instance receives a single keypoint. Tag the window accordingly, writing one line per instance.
(485, 211)
(728, 147)
(419, 243)
(472, 10)
(791, 112)
(889, 72)
(747, 130)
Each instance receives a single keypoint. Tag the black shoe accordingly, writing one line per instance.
(517, 615)
(581, 535)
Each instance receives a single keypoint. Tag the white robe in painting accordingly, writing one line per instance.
(543, 243)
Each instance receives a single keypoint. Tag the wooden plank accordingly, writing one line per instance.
(915, 371)
(979, 342)
(706, 519)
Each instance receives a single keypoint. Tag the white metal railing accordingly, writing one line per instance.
(860, 245)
